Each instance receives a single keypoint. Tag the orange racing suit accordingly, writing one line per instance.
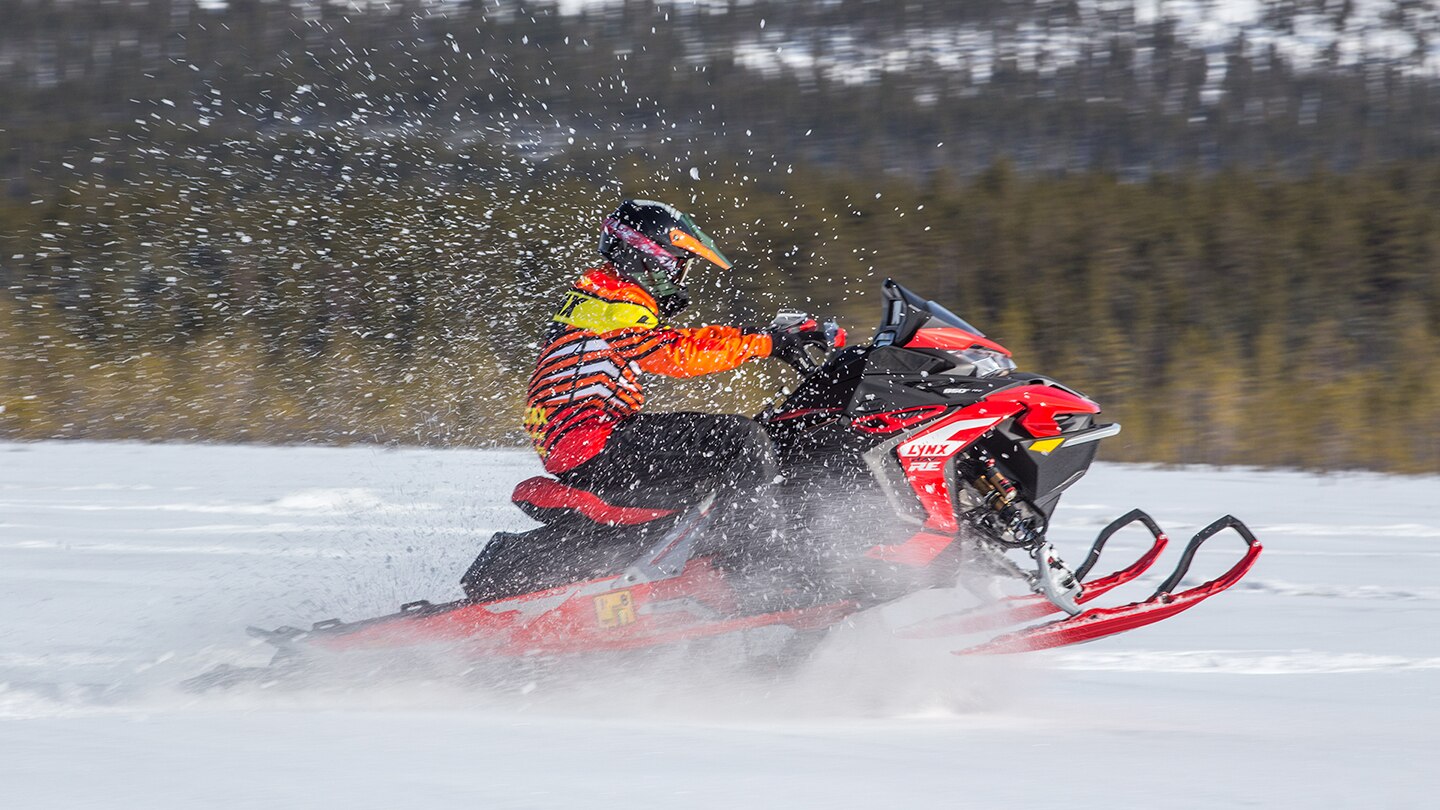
(587, 379)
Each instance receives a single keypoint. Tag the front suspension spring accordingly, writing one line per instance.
(1001, 503)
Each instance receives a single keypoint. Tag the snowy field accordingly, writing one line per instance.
(126, 568)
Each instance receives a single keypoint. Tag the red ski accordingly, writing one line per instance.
(1013, 610)
(1164, 603)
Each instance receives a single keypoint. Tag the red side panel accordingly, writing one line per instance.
(924, 455)
(547, 493)
(892, 421)
(1042, 404)
(799, 412)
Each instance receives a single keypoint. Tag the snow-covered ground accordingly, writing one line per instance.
(125, 568)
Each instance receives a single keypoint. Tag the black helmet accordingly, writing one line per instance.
(655, 245)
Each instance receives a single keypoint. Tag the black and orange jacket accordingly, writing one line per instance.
(604, 335)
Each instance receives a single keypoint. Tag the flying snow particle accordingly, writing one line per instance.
(694, 173)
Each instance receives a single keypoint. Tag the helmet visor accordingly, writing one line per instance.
(698, 244)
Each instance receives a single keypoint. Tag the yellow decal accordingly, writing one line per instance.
(600, 316)
(614, 609)
(1044, 446)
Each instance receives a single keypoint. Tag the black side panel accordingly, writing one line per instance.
(557, 554)
(804, 426)
(891, 379)
(963, 390)
(1044, 478)
(895, 361)
(832, 385)
(880, 394)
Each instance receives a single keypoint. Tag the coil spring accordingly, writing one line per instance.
(1002, 504)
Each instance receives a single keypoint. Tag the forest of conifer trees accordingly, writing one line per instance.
(293, 221)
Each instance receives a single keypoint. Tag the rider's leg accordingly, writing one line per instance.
(686, 456)
(682, 454)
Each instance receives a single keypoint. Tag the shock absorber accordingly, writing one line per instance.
(1001, 499)
(1010, 520)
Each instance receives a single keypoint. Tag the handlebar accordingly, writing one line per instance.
(807, 358)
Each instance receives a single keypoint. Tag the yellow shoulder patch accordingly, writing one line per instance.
(600, 316)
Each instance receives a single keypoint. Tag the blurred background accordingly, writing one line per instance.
(332, 222)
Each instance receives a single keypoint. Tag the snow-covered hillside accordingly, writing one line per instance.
(125, 568)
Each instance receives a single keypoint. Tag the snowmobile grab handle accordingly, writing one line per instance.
(1188, 555)
(1133, 516)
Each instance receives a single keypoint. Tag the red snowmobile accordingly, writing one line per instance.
(923, 459)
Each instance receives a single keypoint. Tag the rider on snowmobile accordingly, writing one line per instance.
(584, 399)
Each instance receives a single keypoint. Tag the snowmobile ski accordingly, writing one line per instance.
(1164, 603)
(1013, 610)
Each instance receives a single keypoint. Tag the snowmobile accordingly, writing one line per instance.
(922, 459)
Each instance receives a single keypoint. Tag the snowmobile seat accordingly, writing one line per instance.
(548, 500)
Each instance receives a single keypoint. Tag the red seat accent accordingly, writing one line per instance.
(546, 493)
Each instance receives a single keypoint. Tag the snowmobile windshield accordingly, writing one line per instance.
(905, 313)
(945, 316)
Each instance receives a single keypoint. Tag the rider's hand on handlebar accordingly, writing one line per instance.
(797, 338)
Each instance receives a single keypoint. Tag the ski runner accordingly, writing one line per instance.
(585, 395)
